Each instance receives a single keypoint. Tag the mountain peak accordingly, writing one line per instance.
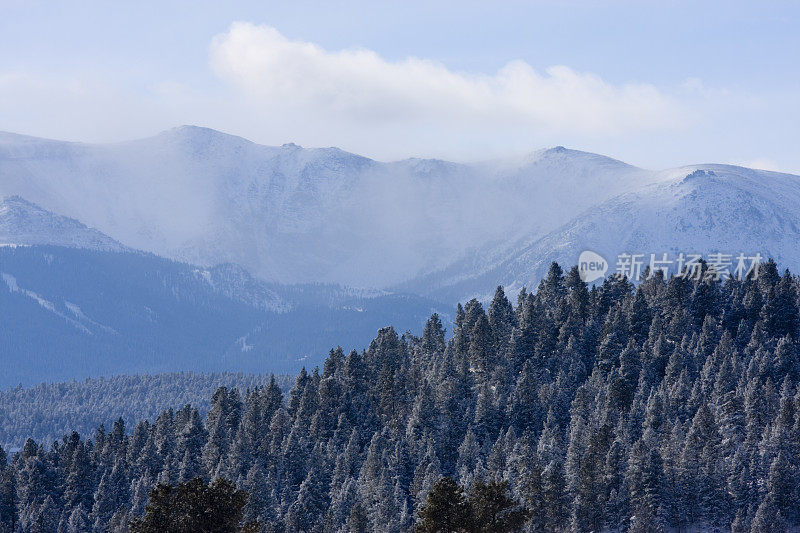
(191, 129)
(199, 135)
(15, 208)
(562, 153)
(554, 151)
(14, 200)
(25, 223)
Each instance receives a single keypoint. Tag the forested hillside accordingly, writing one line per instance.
(671, 404)
(48, 411)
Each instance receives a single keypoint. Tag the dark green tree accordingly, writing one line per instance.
(493, 510)
(446, 509)
(194, 507)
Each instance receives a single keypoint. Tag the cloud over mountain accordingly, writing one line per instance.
(359, 88)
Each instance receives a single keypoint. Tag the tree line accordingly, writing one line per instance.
(48, 411)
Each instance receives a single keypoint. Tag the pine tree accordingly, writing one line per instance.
(768, 518)
(193, 507)
(357, 521)
(111, 496)
(308, 510)
(8, 496)
(487, 417)
(482, 346)
(433, 335)
(78, 521)
(502, 321)
(189, 447)
(446, 509)
(552, 288)
(781, 486)
(646, 486)
(493, 511)
(78, 485)
(524, 410)
(555, 502)
(223, 419)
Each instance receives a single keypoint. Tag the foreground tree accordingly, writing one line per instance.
(446, 510)
(489, 509)
(493, 510)
(194, 507)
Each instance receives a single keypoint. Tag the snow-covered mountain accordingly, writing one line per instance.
(447, 230)
(24, 223)
(290, 214)
(702, 209)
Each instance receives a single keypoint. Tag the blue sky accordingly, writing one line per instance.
(658, 84)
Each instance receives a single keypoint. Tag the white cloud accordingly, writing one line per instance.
(273, 90)
(359, 89)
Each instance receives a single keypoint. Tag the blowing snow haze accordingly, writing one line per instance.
(291, 214)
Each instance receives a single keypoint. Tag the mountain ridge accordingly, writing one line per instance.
(25, 223)
(716, 208)
(290, 214)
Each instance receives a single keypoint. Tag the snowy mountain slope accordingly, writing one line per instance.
(290, 214)
(190, 193)
(24, 223)
(445, 230)
(698, 209)
(70, 313)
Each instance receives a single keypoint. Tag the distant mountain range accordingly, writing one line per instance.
(294, 215)
(696, 210)
(69, 313)
(198, 250)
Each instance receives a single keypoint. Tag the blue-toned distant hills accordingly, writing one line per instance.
(70, 313)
